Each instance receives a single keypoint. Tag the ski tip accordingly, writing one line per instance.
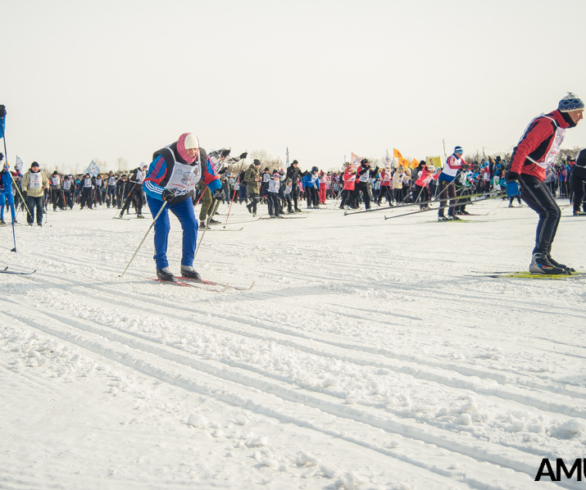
(252, 285)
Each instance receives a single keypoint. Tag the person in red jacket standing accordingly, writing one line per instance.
(349, 187)
(536, 150)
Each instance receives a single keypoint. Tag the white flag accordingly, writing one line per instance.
(93, 169)
(19, 164)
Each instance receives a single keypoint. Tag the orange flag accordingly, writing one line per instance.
(397, 154)
(414, 163)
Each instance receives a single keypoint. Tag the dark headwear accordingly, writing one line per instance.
(256, 162)
(34, 164)
(295, 162)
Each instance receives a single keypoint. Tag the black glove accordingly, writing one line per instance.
(223, 171)
(2, 111)
(168, 195)
(225, 153)
(512, 177)
(219, 195)
(244, 155)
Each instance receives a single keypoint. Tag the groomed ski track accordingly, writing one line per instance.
(363, 358)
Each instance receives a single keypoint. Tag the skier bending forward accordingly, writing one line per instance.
(536, 151)
(171, 178)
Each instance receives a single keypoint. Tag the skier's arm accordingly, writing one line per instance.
(210, 177)
(542, 130)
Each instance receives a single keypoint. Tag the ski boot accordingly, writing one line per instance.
(2, 222)
(561, 266)
(442, 218)
(140, 216)
(540, 264)
(190, 272)
(453, 217)
(165, 275)
(214, 222)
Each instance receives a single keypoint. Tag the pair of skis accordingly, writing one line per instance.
(527, 275)
(212, 286)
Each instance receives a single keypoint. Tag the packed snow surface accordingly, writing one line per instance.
(370, 354)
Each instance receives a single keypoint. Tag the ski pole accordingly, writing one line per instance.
(127, 196)
(12, 176)
(230, 208)
(406, 205)
(448, 207)
(215, 208)
(144, 238)
(6, 155)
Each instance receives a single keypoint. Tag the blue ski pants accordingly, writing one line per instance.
(186, 216)
(3, 197)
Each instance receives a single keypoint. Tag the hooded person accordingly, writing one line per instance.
(535, 152)
(171, 178)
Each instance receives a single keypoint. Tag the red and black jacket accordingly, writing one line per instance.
(536, 143)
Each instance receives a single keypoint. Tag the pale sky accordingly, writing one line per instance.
(108, 79)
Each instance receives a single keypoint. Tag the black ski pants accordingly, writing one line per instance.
(254, 198)
(68, 198)
(538, 197)
(578, 185)
(86, 197)
(312, 196)
(32, 203)
(363, 186)
(56, 199)
(135, 195)
(447, 189)
(273, 201)
(385, 192)
(421, 194)
(111, 196)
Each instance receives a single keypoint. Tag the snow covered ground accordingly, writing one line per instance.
(367, 355)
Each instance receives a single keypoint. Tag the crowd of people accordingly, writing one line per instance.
(282, 190)
(182, 176)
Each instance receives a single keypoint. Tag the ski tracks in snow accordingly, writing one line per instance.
(360, 363)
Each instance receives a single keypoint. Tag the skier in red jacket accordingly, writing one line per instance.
(536, 150)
